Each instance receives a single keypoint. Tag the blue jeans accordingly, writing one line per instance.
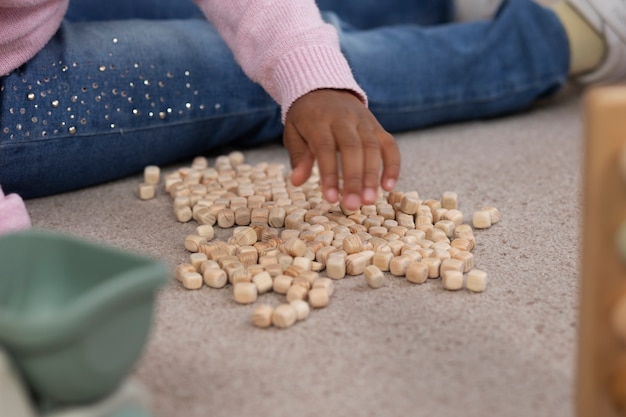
(124, 84)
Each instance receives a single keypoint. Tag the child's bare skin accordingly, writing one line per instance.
(325, 122)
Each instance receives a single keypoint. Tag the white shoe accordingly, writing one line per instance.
(608, 18)
(471, 10)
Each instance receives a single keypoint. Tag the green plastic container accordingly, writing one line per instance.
(74, 315)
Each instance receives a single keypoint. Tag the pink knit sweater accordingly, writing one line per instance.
(284, 45)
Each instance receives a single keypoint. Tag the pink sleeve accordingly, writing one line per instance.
(13, 214)
(284, 45)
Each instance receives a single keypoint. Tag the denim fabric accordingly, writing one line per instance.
(120, 87)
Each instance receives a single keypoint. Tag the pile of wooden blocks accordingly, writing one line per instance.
(289, 240)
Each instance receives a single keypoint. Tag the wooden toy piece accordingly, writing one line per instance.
(374, 277)
(454, 215)
(318, 297)
(297, 292)
(382, 260)
(152, 175)
(263, 282)
(433, 265)
(205, 231)
(146, 191)
(285, 315)
(183, 214)
(452, 280)
(476, 280)
(192, 280)
(417, 272)
(481, 219)
(601, 375)
(336, 267)
(262, 315)
(399, 264)
(196, 260)
(450, 200)
(325, 283)
(245, 236)
(183, 268)
(451, 265)
(494, 213)
(357, 262)
(302, 309)
(245, 292)
(215, 277)
(352, 244)
(409, 205)
(282, 283)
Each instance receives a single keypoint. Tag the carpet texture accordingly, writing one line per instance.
(404, 349)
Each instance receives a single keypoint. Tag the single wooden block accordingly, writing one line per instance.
(450, 200)
(245, 236)
(183, 214)
(357, 262)
(146, 191)
(215, 278)
(399, 264)
(409, 205)
(302, 309)
(447, 226)
(297, 292)
(455, 216)
(452, 280)
(262, 315)
(318, 297)
(476, 280)
(601, 371)
(451, 265)
(481, 219)
(285, 315)
(263, 282)
(282, 283)
(494, 213)
(466, 257)
(205, 231)
(181, 269)
(433, 265)
(417, 272)
(196, 260)
(326, 283)
(152, 174)
(336, 267)
(192, 280)
(382, 260)
(245, 292)
(374, 277)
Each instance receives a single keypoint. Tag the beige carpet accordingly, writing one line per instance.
(404, 349)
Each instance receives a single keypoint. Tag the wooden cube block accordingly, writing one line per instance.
(452, 280)
(476, 280)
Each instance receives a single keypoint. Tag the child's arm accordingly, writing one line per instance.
(286, 47)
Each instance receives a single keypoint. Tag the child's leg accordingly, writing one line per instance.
(366, 14)
(104, 99)
(89, 10)
(417, 76)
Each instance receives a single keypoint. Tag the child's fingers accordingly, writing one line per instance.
(371, 167)
(351, 149)
(325, 150)
(391, 160)
(300, 156)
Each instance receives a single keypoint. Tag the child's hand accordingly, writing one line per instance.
(324, 122)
